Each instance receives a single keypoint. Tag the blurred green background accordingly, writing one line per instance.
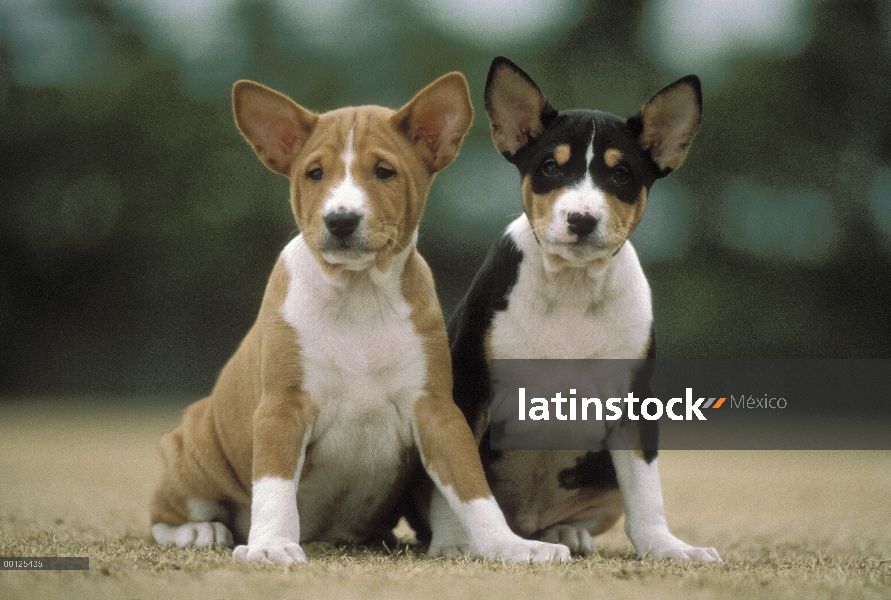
(137, 228)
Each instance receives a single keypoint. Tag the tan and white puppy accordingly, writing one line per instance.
(344, 381)
(564, 282)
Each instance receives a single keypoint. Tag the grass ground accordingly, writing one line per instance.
(75, 481)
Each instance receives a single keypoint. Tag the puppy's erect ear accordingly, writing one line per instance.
(275, 126)
(516, 107)
(669, 122)
(437, 119)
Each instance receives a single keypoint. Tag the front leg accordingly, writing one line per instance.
(645, 521)
(281, 430)
(450, 457)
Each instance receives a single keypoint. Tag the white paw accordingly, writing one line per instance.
(667, 546)
(685, 552)
(519, 550)
(577, 539)
(280, 551)
(447, 550)
(198, 535)
(449, 541)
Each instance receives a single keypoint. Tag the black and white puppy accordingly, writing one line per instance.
(565, 282)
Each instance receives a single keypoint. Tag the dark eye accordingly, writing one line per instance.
(384, 173)
(549, 168)
(315, 174)
(621, 175)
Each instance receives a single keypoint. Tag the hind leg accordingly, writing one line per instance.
(204, 534)
(576, 538)
(187, 509)
(201, 530)
(563, 497)
(599, 511)
(593, 513)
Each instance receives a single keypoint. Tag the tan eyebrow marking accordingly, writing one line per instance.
(561, 154)
(612, 157)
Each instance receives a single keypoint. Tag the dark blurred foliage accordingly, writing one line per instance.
(137, 229)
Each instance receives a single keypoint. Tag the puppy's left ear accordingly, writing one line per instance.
(436, 120)
(669, 122)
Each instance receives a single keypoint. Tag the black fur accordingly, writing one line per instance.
(592, 470)
(648, 430)
(574, 127)
(488, 294)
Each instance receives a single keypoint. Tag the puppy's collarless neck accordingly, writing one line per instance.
(303, 264)
(557, 268)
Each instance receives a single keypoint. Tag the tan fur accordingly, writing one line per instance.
(562, 153)
(254, 423)
(596, 509)
(275, 126)
(392, 222)
(533, 501)
(218, 430)
(626, 217)
(538, 207)
(612, 157)
(446, 442)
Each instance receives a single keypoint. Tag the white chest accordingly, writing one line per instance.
(361, 357)
(364, 368)
(574, 313)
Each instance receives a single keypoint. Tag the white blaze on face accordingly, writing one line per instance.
(589, 153)
(347, 195)
(583, 197)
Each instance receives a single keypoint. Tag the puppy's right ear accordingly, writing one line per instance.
(516, 107)
(274, 124)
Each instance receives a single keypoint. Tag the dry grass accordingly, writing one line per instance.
(75, 481)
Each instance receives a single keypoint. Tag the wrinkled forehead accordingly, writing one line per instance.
(360, 127)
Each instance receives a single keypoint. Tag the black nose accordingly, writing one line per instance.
(342, 223)
(581, 224)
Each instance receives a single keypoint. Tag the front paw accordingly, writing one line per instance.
(669, 547)
(525, 551)
(685, 552)
(277, 551)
